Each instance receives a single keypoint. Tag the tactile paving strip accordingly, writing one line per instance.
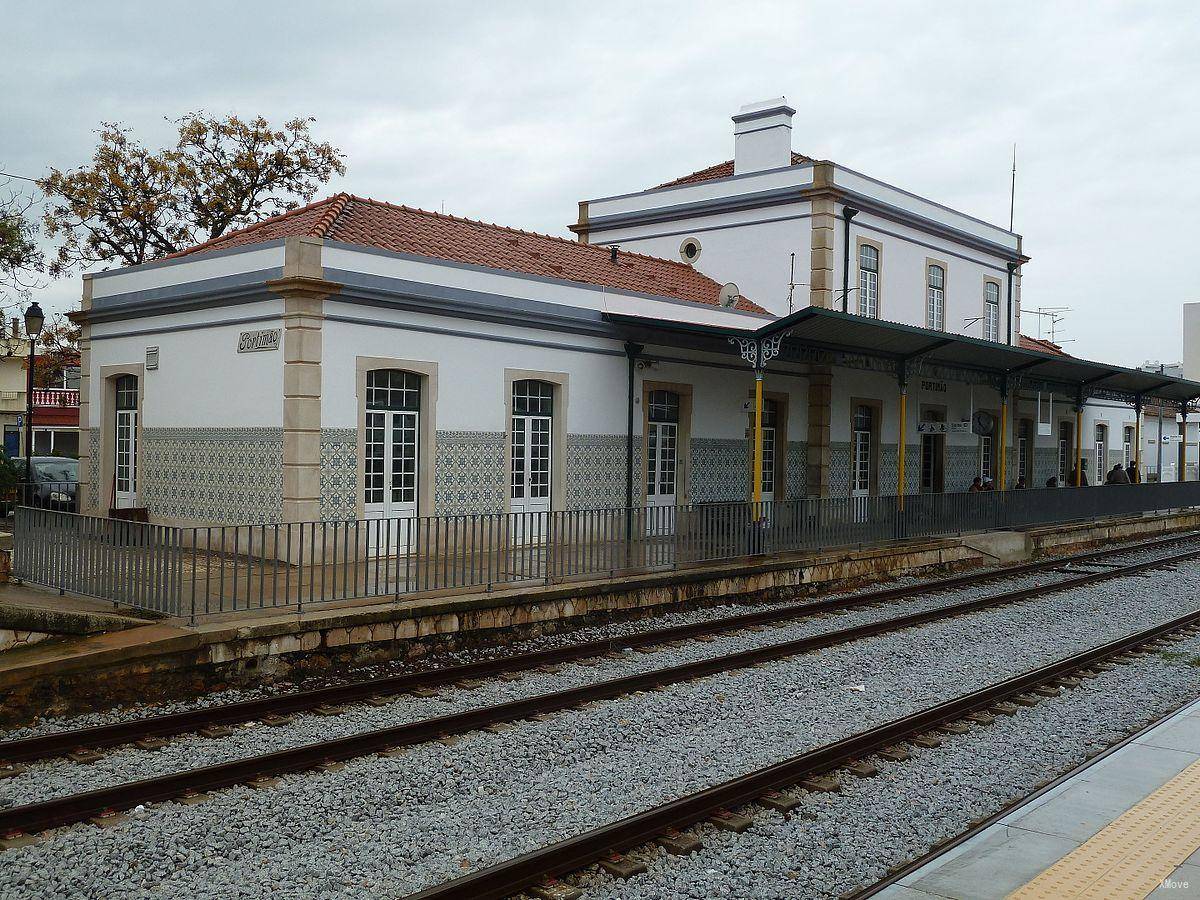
(1132, 855)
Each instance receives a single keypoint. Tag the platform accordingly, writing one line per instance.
(1128, 826)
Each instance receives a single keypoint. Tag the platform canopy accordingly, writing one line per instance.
(814, 334)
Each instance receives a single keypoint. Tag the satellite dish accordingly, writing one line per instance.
(983, 423)
(729, 295)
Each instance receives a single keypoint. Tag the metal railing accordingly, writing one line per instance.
(59, 495)
(197, 571)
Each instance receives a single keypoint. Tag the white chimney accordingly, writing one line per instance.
(762, 136)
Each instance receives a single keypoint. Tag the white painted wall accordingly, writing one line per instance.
(508, 284)
(1191, 341)
(202, 381)
(902, 275)
(751, 248)
(185, 270)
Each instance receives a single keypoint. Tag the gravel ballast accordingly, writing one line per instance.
(53, 778)
(834, 844)
(392, 826)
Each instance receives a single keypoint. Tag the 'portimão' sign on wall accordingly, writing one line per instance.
(253, 341)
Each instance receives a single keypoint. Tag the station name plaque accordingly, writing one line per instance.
(253, 341)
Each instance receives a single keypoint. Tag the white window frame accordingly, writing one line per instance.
(869, 264)
(991, 311)
(935, 296)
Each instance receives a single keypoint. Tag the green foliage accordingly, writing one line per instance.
(133, 204)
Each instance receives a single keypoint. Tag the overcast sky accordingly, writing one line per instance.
(512, 112)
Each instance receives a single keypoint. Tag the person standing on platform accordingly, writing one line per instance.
(1117, 476)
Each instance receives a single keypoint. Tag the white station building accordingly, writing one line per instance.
(357, 359)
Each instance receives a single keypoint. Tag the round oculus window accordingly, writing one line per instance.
(689, 250)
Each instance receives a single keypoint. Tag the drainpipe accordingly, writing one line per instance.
(631, 351)
(1012, 267)
(848, 213)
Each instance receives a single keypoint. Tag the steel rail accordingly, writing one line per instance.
(80, 807)
(945, 846)
(574, 853)
(173, 724)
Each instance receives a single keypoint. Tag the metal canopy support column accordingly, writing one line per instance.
(1079, 439)
(1183, 411)
(1004, 389)
(1136, 456)
(902, 446)
(758, 352)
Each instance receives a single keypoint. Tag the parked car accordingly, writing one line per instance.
(54, 484)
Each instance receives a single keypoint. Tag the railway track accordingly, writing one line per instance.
(154, 728)
(19, 822)
(980, 825)
(539, 869)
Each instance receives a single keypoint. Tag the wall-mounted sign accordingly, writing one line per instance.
(960, 427)
(933, 428)
(936, 386)
(151, 358)
(253, 341)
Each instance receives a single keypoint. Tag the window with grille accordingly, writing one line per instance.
(935, 298)
(393, 389)
(127, 392)
(991, 311)
(868, 281)
(663, 406)
(1127, 448)
(533, 398)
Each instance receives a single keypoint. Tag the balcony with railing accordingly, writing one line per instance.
(56, 397)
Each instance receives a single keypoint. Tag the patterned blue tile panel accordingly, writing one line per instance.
(720, 470)
(219, 475)
(469, 473)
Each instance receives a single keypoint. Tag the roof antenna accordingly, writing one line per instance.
(1012, 197)
(791, 284)
(612, 253)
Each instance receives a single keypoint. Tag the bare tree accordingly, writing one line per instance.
(133, 204)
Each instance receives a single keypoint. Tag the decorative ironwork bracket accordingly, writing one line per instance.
(757, 352)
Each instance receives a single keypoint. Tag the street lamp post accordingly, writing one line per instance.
(34, 320)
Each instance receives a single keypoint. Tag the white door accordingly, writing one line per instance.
(531, 459)
(768, 463)
(530, 499)
(661, 474)
(391, 459)
(662, 461)
(125, 494)
(125, 457)
(861, 449)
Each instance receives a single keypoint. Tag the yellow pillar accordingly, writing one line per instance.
(1078, 446)
(903, 446)
(1004, 442)
(758, 438)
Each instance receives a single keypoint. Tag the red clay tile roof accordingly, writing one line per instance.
(723, 170)
(403, 229)
(1025, 342)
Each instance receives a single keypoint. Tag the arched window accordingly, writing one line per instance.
(868, 281)
(935, 298)
(991, 311)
